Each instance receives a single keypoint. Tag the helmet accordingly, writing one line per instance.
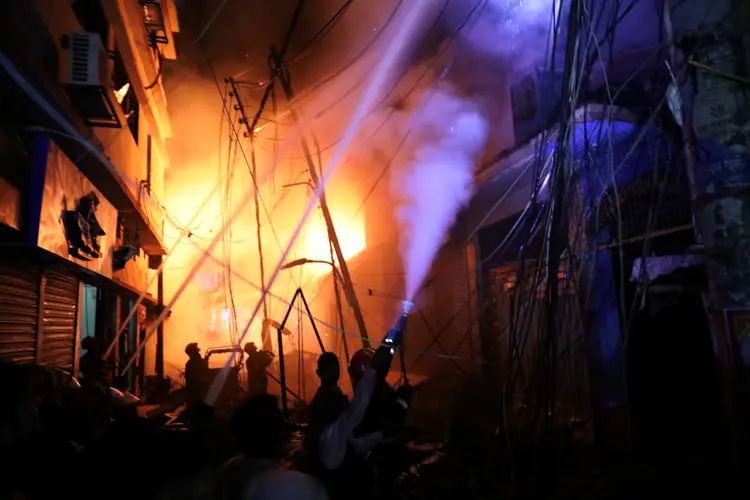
(360, 361)
(192, 349)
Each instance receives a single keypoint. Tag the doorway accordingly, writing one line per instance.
(672, 378)
(88, 314)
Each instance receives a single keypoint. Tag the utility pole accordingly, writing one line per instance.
(265, 333)
(160, 328)
(347, 284)
(346, 277)
(339, 310)
(278, 71)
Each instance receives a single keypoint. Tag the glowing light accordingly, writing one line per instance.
(351, 238)
(225, 318)
(122, 92)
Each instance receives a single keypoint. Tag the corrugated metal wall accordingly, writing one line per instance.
(29, 333)
(60, 319)
(19, 312)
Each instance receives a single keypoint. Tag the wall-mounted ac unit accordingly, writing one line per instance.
(86, 79)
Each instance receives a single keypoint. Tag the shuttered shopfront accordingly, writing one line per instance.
(38, 315)
(59, 319)
(19, 313)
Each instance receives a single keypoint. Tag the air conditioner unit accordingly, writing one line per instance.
(86, 79)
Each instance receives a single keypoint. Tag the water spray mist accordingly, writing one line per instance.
(439, 180)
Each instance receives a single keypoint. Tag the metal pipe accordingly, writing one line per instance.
(282, 369)
(312, 321)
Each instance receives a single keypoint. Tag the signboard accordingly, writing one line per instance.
(77, 221)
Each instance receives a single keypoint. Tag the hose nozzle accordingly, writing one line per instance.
(408, 306)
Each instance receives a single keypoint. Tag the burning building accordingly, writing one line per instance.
(82, 144)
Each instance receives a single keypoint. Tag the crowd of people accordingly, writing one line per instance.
(343, 443)
(68, 436)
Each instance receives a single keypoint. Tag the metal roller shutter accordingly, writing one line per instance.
(59, 320)
(451, 315)
(19, 313)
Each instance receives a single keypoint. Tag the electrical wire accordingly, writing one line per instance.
(327, 27)
(526, 315)
(527, 318)
(160, 61)
(413, 121)
(316, 86)
(257, 116)
(476, 9)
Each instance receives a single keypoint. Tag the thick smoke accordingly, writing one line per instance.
(438, 181)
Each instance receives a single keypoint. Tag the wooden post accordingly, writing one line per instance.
(347, 284)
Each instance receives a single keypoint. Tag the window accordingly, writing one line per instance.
(126, 95)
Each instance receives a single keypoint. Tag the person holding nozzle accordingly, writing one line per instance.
(197, 375)
(388, 406)
(340, 434)
(334, 454)
(257, 363)
(386, 412)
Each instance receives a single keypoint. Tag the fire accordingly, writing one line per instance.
(351, 238)
(203, 313)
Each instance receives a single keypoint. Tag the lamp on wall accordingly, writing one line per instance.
(153, 20)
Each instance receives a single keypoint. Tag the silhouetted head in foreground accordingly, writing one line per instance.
(259, 429)
(192, 350)
(250, 348)
(329, 369)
